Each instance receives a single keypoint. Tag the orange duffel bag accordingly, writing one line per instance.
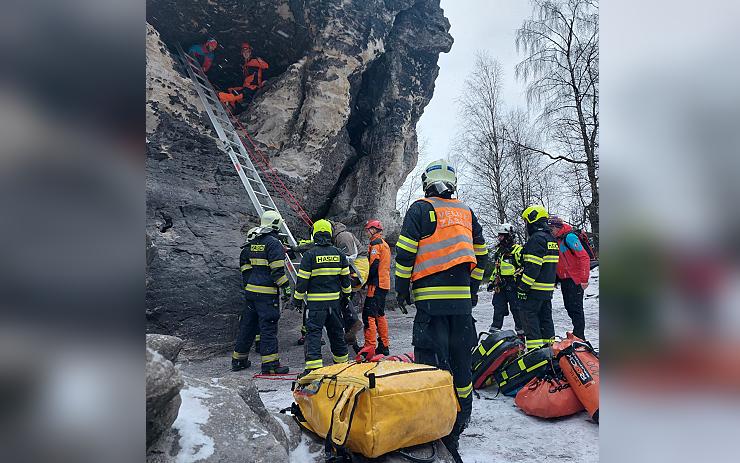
(579, 362)
(548, 397)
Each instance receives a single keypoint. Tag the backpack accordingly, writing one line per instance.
(585, 242)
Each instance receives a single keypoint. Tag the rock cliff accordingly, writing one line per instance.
(347, 83)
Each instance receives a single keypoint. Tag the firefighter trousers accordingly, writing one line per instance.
(445, 341)
(324, 314)
(503, 302)
(537, 317)
(573, 300)
(260, 316)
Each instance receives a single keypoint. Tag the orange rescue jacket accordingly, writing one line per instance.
(380, 272)
(452, 241)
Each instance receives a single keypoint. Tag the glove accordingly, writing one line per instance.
(489, 288)
(403, 308)
(286, 293)
(295, 304)
(474, 299)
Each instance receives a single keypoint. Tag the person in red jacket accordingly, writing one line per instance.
(378, 284)
(203, 52)
(572, 272)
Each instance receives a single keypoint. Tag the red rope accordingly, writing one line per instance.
(272, 175)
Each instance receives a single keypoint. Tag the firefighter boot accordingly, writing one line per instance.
(240, 364)
(274, 368)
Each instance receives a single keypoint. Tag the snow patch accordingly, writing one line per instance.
(195, 445)
(303, 454)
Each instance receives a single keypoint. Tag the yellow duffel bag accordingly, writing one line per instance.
(376, 407)
(360, 268)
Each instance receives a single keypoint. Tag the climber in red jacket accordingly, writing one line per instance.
(572, 272)
(204, 53)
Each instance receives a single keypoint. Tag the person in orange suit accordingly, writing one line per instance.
(253, 69)
(378, 284)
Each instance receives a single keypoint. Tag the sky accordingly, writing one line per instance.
(476, 25)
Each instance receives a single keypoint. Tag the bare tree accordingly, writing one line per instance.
(411, 189)
(561, 45)
(481, 140)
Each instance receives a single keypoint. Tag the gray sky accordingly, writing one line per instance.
(476, 25)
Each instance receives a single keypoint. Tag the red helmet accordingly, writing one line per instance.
(211, 43)
(374, 223)
(247, 46)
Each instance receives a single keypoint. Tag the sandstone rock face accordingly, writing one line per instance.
(163, 383)
(167, 346)
(348, 80)
(216, 426)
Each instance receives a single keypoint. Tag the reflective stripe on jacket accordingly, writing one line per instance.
(450, 244)
(324, 272)
(264, 258)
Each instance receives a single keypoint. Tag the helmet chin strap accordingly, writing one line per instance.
(439, 188)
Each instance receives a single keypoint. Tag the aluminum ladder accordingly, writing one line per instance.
(231, 144)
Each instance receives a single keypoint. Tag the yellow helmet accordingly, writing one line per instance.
(271, 219)
(321, 226)
(440, 175)
(534, 213)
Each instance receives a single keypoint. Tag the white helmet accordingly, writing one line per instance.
(505, 229)
(440, 176)
(253, 233)
(271, 219)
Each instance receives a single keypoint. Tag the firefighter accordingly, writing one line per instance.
(574, 268)
(507, 268)
(267, 278)
(378, 284)
(348, 243)
(203, 53)
(442, 252)
(537, 283)
(323, 283)
(240, 360)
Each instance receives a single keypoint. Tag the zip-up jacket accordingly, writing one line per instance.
(458, 258)
(204, 57)
(323, 274)
(575, 262)
(264, 260)
(540, 257)
(380, 263)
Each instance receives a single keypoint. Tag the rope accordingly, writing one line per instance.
(272, 175)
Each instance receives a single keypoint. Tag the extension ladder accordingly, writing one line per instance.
(231, 144)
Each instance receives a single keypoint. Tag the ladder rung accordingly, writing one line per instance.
(261, 193)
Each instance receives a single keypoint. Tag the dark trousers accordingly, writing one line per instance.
(349, 315)
(537, 317)
(445, 341)
(320, 315)
(260, 316)
(503, 301)
(573, 299)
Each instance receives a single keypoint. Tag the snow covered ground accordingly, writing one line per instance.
(498, 430)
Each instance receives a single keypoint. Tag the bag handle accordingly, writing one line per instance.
(342, 414)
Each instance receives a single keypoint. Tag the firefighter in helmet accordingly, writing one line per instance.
(441, 255)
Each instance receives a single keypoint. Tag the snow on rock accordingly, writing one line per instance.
(194, 444)
(498, 430)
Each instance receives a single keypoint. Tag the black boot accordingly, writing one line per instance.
(382, 348)
(274, 368)
(240, 364)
